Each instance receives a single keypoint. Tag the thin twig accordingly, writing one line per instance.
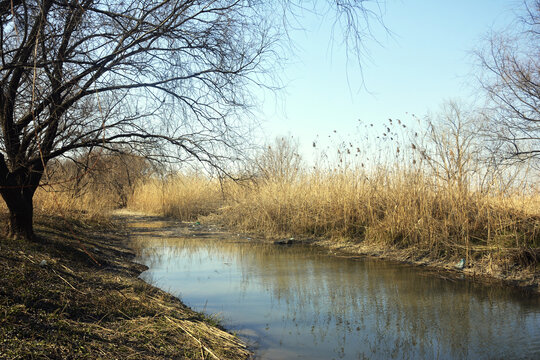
(67, 282)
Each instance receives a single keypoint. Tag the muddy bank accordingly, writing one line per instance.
(76, 294)
(507, 267)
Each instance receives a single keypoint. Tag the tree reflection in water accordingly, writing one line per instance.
(296, 302)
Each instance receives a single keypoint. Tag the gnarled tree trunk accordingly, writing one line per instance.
(20, 205)
(17, 190)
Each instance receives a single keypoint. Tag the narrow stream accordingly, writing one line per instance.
(294, 302)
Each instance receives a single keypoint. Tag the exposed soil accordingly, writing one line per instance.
(74, 294)
(520, 269)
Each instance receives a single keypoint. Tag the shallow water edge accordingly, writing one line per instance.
(296, 301)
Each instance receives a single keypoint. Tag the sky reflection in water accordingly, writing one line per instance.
(295, 303)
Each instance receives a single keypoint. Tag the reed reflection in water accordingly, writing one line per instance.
(294, 302)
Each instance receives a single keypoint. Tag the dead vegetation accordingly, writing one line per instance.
(435, 199)
(76, 295)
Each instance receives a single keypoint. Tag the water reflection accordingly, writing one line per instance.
(294, 302)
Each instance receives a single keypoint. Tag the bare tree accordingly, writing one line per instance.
(165, 79)
(452, 146)
(279, 161)
(511, 78)
(115, 174)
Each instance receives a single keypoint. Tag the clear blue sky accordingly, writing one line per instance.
(425, 60)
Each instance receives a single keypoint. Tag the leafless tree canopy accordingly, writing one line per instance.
(451, 147)
(92, 73)
(511, 78)
(164, 78)
(279, 162)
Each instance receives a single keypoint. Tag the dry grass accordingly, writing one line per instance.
(390, 207)
(402, 209)
(408, 202)
(94, 205)
(92, 187)
(86, 302)
(181, 197)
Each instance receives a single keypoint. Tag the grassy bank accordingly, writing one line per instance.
(76, 295)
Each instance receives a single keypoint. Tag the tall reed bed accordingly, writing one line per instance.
(390, 207)
(397, 209)
(185, 197)
(436, 192)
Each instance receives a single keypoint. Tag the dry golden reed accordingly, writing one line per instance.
(69, 203)
(184, 197)
(390, 207)
(398, 204)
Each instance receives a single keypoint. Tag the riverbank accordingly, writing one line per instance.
(394, 213)
(517, 268)
(506, 271)
(291, 301)
(76, 294)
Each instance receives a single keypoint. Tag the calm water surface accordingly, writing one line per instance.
(295, 303)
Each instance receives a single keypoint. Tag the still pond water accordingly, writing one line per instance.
(293, 302)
